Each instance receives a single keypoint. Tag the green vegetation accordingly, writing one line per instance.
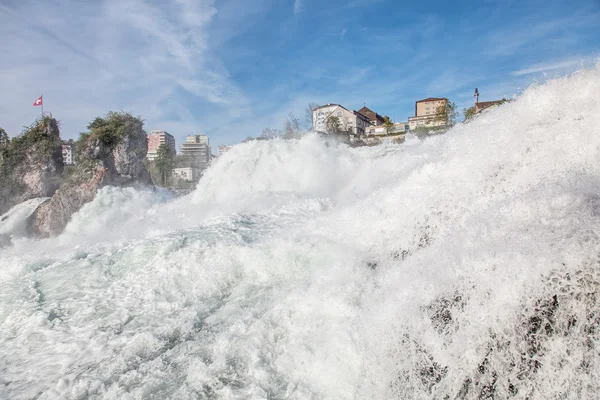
(38, 135)
(111, 129)
(447, 114)
(3, 139)
(429, 130)
(388, 125)
(469, 113)
(164, 163)
(332, 125)
(37, 144)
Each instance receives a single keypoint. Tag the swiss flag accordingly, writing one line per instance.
(38, 102)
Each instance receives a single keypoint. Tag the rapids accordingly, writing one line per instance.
(464, 266)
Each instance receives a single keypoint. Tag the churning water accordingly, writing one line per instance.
(465, 266)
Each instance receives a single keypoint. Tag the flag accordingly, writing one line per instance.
(38, 102)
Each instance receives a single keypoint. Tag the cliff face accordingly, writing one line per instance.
(101, 162)
(31, 165)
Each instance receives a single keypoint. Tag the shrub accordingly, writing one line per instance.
(110, 130)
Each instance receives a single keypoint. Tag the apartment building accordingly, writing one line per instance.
(426, 111)
(156, 139)
(348, 121)
(197, 147)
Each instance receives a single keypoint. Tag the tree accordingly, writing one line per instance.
(164, 163)
(113, 127)
(469, 113)
(388, 125)
(269, 133)
(291, 127)
(332, 125)
(446, 114)
(308, 116)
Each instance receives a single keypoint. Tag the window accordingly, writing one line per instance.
(427, 112)
(339, 114)
(427, 108)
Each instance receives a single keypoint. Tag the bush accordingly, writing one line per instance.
(111, 129)
(39, 137)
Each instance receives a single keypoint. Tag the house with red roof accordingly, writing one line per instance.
(483, 105)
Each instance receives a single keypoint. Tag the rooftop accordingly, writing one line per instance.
(431, 99)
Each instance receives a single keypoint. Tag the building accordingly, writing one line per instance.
(379, 130)
(189, 174)
(348, 121)
(223, 149)
(68, 150)
(426, 111)
(156, 139)
(4, 140)
(197, 147)
(374, 118)
(480, 106)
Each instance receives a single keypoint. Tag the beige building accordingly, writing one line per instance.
(348, 121)
(426, 111)
(156, 139)
(379, 130)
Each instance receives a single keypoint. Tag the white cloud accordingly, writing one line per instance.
(91, 57)
(297, 7)
(551, 66)
(355, 76)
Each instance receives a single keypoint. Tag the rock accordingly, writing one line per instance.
(31, 165)
(113, 161)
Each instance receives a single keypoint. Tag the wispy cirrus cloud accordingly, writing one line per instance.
(298, 6)
(560, 65)
(91, 57)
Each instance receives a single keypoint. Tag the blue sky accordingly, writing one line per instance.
(230, 68)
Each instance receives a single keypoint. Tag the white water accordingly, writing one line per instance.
(306, 270)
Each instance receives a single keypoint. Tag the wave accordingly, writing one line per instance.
(464, 266)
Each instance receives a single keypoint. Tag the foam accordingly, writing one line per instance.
(462, 265)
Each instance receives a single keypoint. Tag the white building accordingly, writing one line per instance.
(198, 148)
(196, 145)
(67, 153)
(187, 174)
(348, 121)
(156, 139)
(224, 149)
(399, 127)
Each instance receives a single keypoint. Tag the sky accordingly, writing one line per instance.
(230, 68)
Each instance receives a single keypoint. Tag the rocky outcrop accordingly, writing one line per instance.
(101, 162)
(31, 165)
